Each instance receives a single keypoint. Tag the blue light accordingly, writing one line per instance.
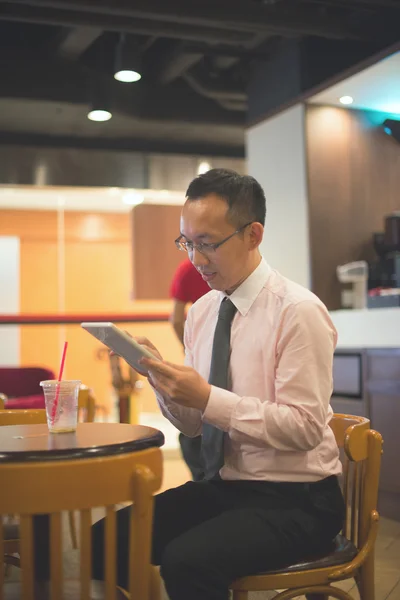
(374, 118)
(387, 130)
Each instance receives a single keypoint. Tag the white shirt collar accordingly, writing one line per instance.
(244, 296)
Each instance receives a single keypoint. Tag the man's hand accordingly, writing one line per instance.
(143, 341)
(182, 385)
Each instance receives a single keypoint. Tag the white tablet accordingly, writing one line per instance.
(120, 342)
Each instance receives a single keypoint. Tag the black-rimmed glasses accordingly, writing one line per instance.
(205, 249)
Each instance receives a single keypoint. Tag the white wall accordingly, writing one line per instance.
(9, 299)
(276, 158)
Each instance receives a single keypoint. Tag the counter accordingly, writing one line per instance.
(366, 376)
(374, 328)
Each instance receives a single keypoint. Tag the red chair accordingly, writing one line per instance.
(21, 386)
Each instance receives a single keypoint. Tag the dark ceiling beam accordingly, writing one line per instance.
(76, 40)
(29, 14)
(234, 15)
(124, 145)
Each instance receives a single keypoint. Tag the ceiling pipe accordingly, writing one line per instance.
(209, 90)
(233, 105)
(173, 65)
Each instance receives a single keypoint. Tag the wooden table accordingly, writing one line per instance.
(35, 443)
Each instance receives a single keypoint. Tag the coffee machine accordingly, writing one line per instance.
(384, 272)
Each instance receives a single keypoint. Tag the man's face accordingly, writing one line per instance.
(204, 221)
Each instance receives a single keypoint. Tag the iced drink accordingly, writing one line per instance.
(62, 418)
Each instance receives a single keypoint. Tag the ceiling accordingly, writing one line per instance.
(196, 58)
(376, 88)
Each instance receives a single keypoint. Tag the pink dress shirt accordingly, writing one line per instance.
(277, 414)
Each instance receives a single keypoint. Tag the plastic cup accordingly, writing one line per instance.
(65, 418)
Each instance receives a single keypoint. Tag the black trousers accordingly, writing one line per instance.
(191, 449)
(207, 534)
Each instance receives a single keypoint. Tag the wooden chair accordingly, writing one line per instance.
(353, 552)
(56, 486)
(11, 529)
(86, 405)
(86, 413)
(23, 417)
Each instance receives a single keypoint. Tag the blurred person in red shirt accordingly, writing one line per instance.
(187, 286)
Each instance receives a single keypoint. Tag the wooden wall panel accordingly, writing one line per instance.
(98, 278)
(353, 182)
(155, 256)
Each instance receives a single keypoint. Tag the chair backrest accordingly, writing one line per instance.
(361, 449)
(23, 417)
(86, 405)
(55, 486)
(23, 381)
(86, 411)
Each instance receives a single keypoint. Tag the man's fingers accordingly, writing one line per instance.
(158, 366)
(143, 341)
(177, 367)
(149, 346)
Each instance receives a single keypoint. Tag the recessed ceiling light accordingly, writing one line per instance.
(203, 167)
(346, 100)
(99, 115)
(127, 76)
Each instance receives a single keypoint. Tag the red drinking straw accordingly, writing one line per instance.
(54, 411)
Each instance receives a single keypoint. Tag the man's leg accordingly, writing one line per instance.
(201, 563)
(191, 448)
(206, 534)
(276, 526)
(175, 511)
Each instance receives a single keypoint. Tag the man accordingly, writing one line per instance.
(187, 286)
(270, 494)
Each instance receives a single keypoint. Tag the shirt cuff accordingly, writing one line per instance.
(220, 407)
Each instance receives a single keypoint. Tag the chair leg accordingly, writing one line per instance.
(238, 595)
(324, 591)
(366, 579)
(72, 528)
(7, 569)
(155, 584)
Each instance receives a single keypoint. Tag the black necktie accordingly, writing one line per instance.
(212, 447)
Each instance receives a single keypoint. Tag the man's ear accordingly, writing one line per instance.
(256, 235)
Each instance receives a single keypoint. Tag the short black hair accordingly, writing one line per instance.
(243, 194)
